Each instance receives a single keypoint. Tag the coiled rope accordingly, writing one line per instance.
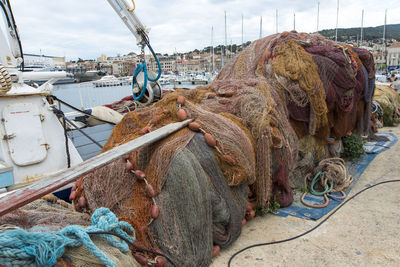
(5, 80)
(333, 177)
(22, 248)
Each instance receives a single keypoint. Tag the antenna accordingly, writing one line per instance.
(337, 19)
(260, 27)
(362, 27)
(318, 17)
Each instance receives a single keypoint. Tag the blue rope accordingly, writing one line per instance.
(22, 248)
(142, 67)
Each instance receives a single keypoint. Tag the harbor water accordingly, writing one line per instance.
(86, 95)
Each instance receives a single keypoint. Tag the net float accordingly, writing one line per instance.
(128, 165)
(82, 201)
(155, 211)
(210, 140)
(72, 196)
(224, 101)
(150, 191)
(140, 175)
(182, 114)
(211, 95)
(140, 259)
(144, 130)
(160, 261)
(180, 100)
(216, 250)
(194, 126)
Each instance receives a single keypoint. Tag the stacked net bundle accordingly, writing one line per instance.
(270, 114)
(386, 105)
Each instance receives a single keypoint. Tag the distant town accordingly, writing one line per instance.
(386, 57)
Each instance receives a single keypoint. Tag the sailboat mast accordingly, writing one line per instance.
(337, 20)
(242, 31)
(318, 17)
(260, 27)
(362, 27)
(276, 20)
(384, 40)
(212, 48)
(294, 21)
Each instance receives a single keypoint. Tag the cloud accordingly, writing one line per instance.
(89, 28)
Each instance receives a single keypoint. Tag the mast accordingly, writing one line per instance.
(212, 48)
(276, 20)
(362, 28)
(223, 49)
(384, 40)
(318, 17)
(337, 20)
(294, 21)
(242, 31)
(260, 27)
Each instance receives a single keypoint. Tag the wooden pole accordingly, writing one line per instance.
(18, 198)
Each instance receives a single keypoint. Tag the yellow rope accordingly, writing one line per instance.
(134, 6)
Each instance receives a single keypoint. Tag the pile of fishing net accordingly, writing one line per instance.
(271, 114)
(23, 238)
(386, 106)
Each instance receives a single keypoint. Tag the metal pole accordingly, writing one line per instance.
(362, 27)
(276, 20)
(337, 20)
(212, 47)
(242, 31)
(318, 17)
(294, 21)
(384, 40)
(260, 27)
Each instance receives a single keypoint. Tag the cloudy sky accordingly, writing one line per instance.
(89, 28)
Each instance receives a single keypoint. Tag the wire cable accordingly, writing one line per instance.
(312, 229)
(133, 245)
(83, 112)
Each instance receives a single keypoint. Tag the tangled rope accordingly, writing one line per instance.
(333, 176)
(22, 248)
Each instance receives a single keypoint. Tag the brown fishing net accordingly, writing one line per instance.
(268, 116)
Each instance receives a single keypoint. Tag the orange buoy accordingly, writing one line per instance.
(210, 140)
(155, 211)
(160, 261)
(216, 250)
(144, 130)
(82, 201)
(128, 165)
(180, 100)
(182, 114)
(230, 93)
(150, 191)
(72, 196)
(194, 126)
(140, 259)
(140, 175)
(211, 95)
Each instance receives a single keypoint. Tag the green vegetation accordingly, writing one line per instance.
(353, 147)
(370, 33)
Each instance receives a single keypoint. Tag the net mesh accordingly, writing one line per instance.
(269, 111)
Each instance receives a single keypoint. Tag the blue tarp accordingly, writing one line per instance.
(372, 149)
